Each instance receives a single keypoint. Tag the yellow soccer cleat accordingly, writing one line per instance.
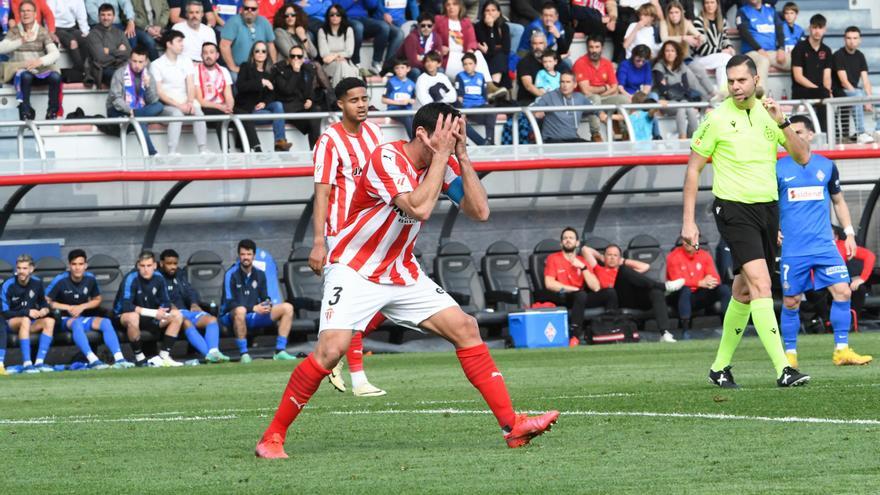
(3, 370)
(335, 376)
(848, 357)
(792, 359)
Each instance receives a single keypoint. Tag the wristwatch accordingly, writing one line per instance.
(785, 123)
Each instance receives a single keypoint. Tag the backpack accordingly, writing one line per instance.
(609, 329)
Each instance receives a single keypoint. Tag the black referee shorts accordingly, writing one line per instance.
(750, 230)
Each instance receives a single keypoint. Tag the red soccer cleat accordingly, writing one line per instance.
(271, 448)
(526, 428)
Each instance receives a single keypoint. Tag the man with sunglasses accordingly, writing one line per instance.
(240, 34)
(294, 83)
(195, 33)
(417, 43)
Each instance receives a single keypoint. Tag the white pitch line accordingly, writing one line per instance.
(474, 401)
(645, 414)
(139, 419)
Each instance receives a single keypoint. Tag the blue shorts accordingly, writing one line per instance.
(803, 273)
(86, 321)
(251, 320)
(192, 316)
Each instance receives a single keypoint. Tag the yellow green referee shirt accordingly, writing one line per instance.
(743, 145)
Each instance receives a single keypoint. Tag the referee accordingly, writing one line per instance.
(742, 137)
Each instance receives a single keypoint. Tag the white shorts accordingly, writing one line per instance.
(350, 301)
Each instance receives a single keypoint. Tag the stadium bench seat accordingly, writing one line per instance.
(597, 243)
(303, 289)
(204, 270)
(646, 248)
(106, 271)
(505, 277)
(536, 261)
(455, 271)
(47, 268)
(6, 270)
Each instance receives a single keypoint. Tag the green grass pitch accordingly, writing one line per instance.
(637, 418)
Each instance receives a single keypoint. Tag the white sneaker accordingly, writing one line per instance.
(368, 390)
(864, 138)
(155, 362)
(335, 377)
(377, 68)
(667, 337)
(170, 363)
(674, 285)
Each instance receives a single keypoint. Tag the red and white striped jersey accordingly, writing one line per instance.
(339, 160)
(377, 239)
(593, 4)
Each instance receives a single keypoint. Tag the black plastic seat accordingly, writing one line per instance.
(6, 270)
(204, 270)
(538, 257)
(505, 277)
(597, 243)
(109, 277)
(646, 248)
(455, 271)
(303, 287)
(47, 268)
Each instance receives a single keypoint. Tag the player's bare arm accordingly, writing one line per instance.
(690, 233)
(841, 210)
(475, 202)
(420, 202)
(798, 148)
(319, 219)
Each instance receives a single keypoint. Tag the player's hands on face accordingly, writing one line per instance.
(851, 246)
(317, 257)
(774, 109)
(690, 233)
(461, 138)
(443, 139)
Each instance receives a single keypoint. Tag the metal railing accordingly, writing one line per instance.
(833, 105)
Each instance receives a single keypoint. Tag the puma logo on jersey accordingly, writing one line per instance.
(496, 373)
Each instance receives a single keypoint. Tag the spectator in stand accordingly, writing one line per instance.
(702, 283)
(195, 33)
(71, 29)
(644, 32)
(600, 16)
(634, 289)
(811, 62)
(213, 86)
(399, 10)
(863, 260)
(24, 304)
(548, 77)
(472, 90)
(291, 29)
(227, 9)
(294, 83)
(791, 31)
(527, 70)
(174, 76)
(554, 31)
(682, 31)
(417, 43)
(268, 8)
(44, 15)
(151, 17)
(241, 33)
(336, 45)
(634, 74)
(494, 41)
(316, 12)
(107, 46)
(400, 94)
(32, 61)
(562, 127)
(523, 12)
(177, 10)
(454, 36)
(673, 82)
(133, 93)
(570, 282)
(715, 50)
(433, 86)
(596, 79)
(644, 122)
(125, 12)
(851, 79)
(762, 40)
(256, 94)
(368, 19)
(628, 12)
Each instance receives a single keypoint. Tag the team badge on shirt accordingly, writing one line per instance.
(769, 134)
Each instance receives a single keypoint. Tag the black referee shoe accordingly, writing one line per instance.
(792, 378)
(723, 378)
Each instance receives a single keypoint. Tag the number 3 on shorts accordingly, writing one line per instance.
(337, 291)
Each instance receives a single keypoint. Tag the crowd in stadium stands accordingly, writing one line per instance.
(462, 52)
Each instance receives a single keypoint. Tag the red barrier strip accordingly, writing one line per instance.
(280, 172)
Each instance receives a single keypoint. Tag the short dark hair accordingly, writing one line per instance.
(247, 244)
(803, 119)
(569, 229)
(642, 51)
(170, 36)
(139, 50)
(211, 43)
(426, 116)
(425, 16)
(596, 37)
(347, 85)
(853, 29)
(469, 56)
(194, 2)
(399, 61)
(549, 52)
(76, 253)
(790, 6)
(612, 245)
(146, 254)
(549, 5)
(105, 7)
(168, 253)
(818, 20)
(433, 57)
(737, 60)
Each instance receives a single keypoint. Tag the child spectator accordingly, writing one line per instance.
(471, 88)
(634, 74)
(644, 123)
(548, 77)
(400, 94)
(644, 32)
(791, 32)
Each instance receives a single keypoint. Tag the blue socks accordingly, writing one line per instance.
(280, 343)
(790, 325)
(2, 354)
(111, 340)
(242, 345)
(79, 337)
(212, 335)
(43, 349)
(25, 345)
(841, 319)
(195, 338)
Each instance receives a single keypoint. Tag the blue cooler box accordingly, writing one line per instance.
(539, 328)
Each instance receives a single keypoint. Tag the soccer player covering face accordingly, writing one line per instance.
(742, 137)
(26, 311)
(810, 259)
(340, 156)
(372, 268)
(76, 294)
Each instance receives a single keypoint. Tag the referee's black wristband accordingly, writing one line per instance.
(785, 123)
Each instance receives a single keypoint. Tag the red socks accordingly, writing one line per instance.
(480, 369)
(355, 353)
(304, 380)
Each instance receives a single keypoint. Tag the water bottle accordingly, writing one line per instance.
(213, 308)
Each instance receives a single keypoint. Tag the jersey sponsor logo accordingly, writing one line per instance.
(402, 217)
(837, 270)
(807, 193)
(357, 170)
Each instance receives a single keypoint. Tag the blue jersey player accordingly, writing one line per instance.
(76, 294)
(186, 299)
(810, 259)
(26, 311)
